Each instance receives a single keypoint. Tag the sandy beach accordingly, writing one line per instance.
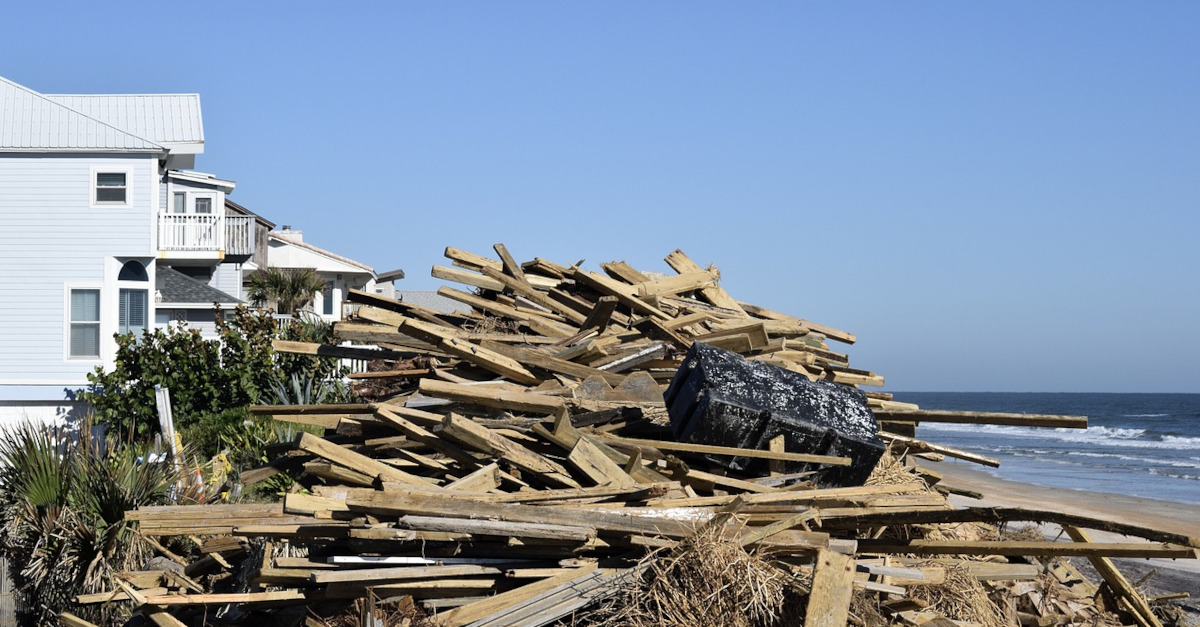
(1182, 518)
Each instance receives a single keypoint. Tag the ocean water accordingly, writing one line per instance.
(1145, 445)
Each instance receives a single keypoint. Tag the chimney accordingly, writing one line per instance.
(293, 235)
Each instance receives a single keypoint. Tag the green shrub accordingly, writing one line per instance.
(205, 377)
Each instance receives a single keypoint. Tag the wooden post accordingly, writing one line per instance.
(833, 583)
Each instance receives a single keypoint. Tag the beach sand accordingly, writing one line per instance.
(1170, 576)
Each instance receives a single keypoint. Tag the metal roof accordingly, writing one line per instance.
(161, 118)
(32, 122)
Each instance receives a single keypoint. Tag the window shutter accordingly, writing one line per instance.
(132, 312)
(137, 310)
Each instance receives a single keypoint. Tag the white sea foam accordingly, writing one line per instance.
(1095, 435)
(1144, 415)
(1139, 460)
(1174, 475)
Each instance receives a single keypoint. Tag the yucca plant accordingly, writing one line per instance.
(64, 498)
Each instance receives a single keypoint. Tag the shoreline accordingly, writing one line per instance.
(1168, 575)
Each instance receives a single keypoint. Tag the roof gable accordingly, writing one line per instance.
(301, 254)
(31, 122)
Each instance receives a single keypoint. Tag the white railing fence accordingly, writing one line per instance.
(239, 235)
(178, 231)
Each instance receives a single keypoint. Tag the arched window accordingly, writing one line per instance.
(133, 271)
(133, 305)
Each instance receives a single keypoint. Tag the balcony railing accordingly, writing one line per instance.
(195, 232)
(239, 235)
(206, 233)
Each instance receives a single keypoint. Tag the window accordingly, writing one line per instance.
(111, 188)
(327, 299)
(204, 204)
(133, 271)
(85, 323)
(179, 202)
(132, 311)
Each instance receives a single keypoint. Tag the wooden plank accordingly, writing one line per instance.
(357, 461)
(565, 435)
(478, 437)
(622, 271)
(635, 358)
(433, 504)
(483, 479)
(402, 573)
(624, 293)
(828, 331)
(466, 277)
(481, 395)
(1000, 515)
(1116, 580)
(664, 445)
(756, 332)
(378, 302)
(300, 410)
(538, 324)
(68, 619)
(716, 295)
(464, 349)
(915, 445)
(163, 618)
(534, 296)
(601, 314)
(255, 598)
(498, 528)
(483, 608)
(671, 285)
(832, 587)
(470, 260)
(387, 374)
(550, 363)
(986, 418)
(552, 605)
(510, 265)
(1013, 547)
(591, 461)
(398, 418)
(336, 352)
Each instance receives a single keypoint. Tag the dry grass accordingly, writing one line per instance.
(708, 581)
(890, 470)
(962, 598)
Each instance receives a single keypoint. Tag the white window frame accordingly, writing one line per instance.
(94, 181)
(67, 322)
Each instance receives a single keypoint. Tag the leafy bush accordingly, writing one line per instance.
(204, 376)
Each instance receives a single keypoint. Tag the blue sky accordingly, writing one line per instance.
(993, 196)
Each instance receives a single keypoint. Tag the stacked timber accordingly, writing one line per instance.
(513, 464)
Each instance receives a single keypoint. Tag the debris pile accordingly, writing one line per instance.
(518, 465)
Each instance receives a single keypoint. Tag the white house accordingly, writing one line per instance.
(286, 248)
(97, 202)
(105, 228)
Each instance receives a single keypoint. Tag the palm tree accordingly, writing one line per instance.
(289, 288)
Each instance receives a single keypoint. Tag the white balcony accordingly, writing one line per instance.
(203, 236)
